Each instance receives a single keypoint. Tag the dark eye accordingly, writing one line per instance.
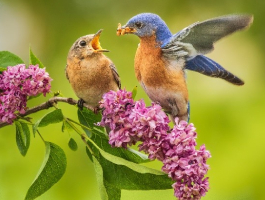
(138, 24)
(82, 43)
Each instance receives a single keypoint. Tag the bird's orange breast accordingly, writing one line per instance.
(154, 71)
(148, 57)
(163, 80)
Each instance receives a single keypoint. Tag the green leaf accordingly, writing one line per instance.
(100, 180)
(114, 174)
(51, 171)
(67, 127)
(89, 154)
(113, 192)
(53, 117)
(34, 60)
(9, 59)
(142, 158)
(72, 144)
(130, 155)
(107, 191)
(88, 118)
(127, 175)
(22, 137)
(134, 92)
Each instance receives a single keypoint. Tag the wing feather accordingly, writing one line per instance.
(208, 67)
(199, 38)
(115, 75)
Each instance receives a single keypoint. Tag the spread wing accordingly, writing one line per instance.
(115, 75)
(198, 39)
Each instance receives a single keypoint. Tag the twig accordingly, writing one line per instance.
(47, 105)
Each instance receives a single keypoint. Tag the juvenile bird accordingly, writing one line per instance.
(89, 71)
(162, 58)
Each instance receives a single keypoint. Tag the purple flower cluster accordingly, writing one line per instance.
(16, 84)
(151, 126)
(131, 121)
(117, 108)
(184, 164)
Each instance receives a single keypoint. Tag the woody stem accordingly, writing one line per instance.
(46, 105)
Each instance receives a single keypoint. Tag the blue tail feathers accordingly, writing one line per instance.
(209, 67)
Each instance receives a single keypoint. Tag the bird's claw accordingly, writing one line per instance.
(96, 110)
(80, 103)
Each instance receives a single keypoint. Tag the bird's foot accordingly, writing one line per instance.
(80, 103)
(96, 110)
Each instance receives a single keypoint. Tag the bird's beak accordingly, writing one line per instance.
(96, 44)
(121, 30)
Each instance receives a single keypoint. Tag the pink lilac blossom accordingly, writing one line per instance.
(184, 164)
(16, 84)
(131, 121)
(150, 125)
(117, 107)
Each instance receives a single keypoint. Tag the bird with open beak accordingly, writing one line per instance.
(89, 71)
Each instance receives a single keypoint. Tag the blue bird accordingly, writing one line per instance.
(161, 58)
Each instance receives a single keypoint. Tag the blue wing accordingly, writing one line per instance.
(208, 67)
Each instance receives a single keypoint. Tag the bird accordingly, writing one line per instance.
(162, 58)
(90, 72)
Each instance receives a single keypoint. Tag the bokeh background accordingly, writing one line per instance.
(229, 119)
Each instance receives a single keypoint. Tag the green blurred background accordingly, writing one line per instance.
(229, 119)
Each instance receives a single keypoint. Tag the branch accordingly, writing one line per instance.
(47, 105)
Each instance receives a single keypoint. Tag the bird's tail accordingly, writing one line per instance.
(209, 67)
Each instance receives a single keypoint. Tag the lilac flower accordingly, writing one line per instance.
(190, 190)
(150, 124)
(116, 102)
(117, 107)
(131, 121)
(9, 104)
(16, 84)
(37, 81)
(184, 164)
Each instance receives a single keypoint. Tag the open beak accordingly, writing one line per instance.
(121, 30)
(96, 44)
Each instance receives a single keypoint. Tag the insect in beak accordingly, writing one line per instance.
(121, 30)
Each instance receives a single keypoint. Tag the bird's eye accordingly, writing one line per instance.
(138, 24)
(82, 43)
